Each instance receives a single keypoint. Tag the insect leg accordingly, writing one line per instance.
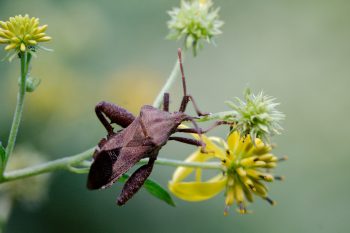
(194, 130)
(166, 102)
(184, 103)
(135, 182)
(189, 141)
(186, 97)
(199, 113)
(115, 113)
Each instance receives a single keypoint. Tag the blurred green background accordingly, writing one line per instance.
(297, 51)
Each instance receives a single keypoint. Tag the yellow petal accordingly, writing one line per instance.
(7, 33)
(23, 47)
(4, 41)
(10, 46)
(39, 35)
(198, 191)
(44, 39)
(15, 40)
(233, 141)
(3, 25)
(41, 29)
(230, 196)
(32, 42)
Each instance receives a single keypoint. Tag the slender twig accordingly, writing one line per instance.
(180, 163)
(68, 163)
(58, 164)
(25, 60)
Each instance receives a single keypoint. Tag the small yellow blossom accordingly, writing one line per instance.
(22, 33)
(245, 171)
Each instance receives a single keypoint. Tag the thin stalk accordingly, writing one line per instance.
(68, 163)
(58, 164)
(179, 163)
(25, 59)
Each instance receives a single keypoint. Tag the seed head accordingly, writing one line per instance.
(196, 21)
(257, 116)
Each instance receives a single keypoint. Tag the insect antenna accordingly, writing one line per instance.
(179, 53)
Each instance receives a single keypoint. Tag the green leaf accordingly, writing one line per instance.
(153, 188)
(158, 191)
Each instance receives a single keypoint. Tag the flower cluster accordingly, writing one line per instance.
(22, 33)
(245, 171)
(257, 116)
(195, 21)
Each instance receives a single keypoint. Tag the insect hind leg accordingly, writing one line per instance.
(135, 182)
(115, 113)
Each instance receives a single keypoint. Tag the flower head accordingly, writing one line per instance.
(196, 21)
(245, 172)
(257, 116)
(22, 33)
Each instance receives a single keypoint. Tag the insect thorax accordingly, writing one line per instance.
(160, 124)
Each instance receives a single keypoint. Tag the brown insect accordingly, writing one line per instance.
(142, 137)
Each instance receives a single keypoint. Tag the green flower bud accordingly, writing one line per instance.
(194, 21)
(32, 84)
(257, 116)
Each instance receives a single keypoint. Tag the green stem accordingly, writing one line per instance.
(58, 164)
(168, 84)
(68, 163)
(179, 163)
(25, 59)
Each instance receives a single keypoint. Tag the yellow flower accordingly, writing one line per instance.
(22, 33)
(243, 176)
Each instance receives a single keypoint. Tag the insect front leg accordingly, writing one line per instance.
(135, 182)
(115, 113)
(194, 130)
(184, 104)
(189, 141)
(186, 97)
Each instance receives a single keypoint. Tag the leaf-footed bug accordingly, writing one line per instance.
(142, 137)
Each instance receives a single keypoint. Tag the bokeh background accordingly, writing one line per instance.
(297, 51)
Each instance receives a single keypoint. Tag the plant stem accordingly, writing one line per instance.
(169, 82)
(179, 163)
(25, 59)
(68, 163)
(63, 163)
